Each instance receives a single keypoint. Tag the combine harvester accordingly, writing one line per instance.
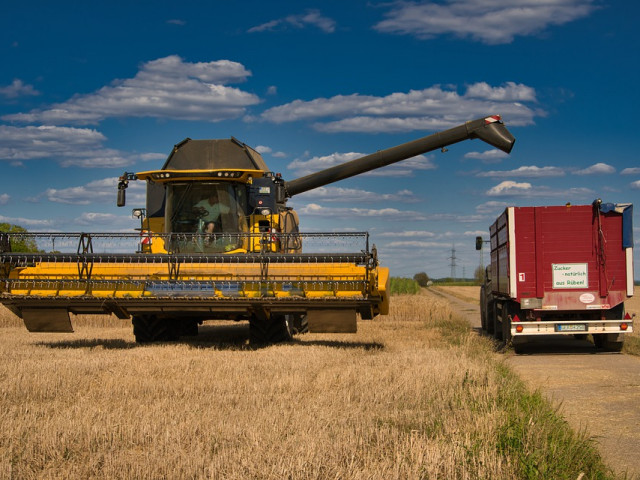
(216, 241)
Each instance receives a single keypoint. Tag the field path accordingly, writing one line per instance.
(596, 392)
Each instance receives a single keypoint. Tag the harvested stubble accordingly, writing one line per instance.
(407, 397)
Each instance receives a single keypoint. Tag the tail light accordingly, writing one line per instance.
(624, 326)
(519, 328)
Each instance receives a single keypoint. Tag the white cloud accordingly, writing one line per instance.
(313, 209)
(525, 171)
(26, 222)
(492, 207)
(177, 21)
(337, 194)
(635, 184)
(489, 156)
(433, 108)
(18, 89)
(417, 244)
(487, 21)
(167, 87)
(404, 168)
(509, 188)
(98, 219)
(98, 191)
(69, 146)
(4, 198)
(630, 171)
(408, 234)
(310, 18)
(598, 168)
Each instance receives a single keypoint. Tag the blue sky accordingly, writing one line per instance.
(91, 89)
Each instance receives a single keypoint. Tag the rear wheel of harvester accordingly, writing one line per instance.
(150, 328)
(269, 329)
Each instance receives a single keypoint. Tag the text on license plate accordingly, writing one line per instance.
(571, 327)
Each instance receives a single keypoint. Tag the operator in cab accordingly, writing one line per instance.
(210, 210)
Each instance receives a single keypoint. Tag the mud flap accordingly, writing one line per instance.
(47, 320)
(332, 321)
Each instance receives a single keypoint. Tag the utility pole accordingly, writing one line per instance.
(453, 259)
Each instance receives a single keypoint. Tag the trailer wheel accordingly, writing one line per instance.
(603, 343)
(497, 324)
(491, 313)
(483, 309)
(269, 330)
(150, 328)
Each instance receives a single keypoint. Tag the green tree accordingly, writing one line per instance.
(478, 275)
(422, 279)
(19, 243)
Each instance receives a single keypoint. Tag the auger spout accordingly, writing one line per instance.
(488, 129)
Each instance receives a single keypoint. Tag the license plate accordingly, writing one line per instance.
(571, 327)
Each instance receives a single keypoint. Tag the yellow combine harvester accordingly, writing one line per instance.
(216, 241)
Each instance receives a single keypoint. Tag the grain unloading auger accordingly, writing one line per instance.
(216, 241)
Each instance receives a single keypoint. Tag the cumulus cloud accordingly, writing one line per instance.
(30, 223)
(509, 188)
(525, 171)
(18, 89)
(4, 198)
(404, 168)
(432, 108)
(635, 184)
(492, 207)
(408, 234)
(598, 168)
(310, 18)
(81, 147)
(97, 191)
(313, 209)
(630, 171)
(489, 156)
(489, 22)
(352, 195)
(167, 87)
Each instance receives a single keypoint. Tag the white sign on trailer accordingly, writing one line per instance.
(570, 275)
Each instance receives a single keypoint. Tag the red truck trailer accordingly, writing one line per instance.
(559, 270)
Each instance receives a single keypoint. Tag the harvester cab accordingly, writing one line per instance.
(217, 241)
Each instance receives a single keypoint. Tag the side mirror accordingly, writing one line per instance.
(479, 243)
(122, 197)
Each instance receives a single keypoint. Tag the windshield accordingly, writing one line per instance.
(206, 212)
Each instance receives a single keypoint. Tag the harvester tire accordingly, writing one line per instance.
(150, 328)
(274, 329)
(299, 324)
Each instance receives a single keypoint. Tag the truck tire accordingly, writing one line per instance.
(483, 309)
(497, 323)
(491, 313)
(273, 329)
(151, 328)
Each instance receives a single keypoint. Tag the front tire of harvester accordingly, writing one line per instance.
(274, 329)
(150, 328)
(300, 324)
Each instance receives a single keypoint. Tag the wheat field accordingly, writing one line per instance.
(412, 395)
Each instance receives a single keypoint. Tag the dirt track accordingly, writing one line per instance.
(596, 392)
